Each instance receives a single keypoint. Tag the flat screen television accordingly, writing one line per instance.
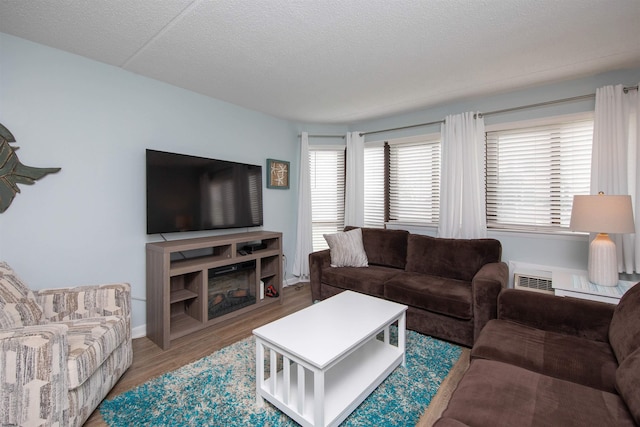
(188, 193)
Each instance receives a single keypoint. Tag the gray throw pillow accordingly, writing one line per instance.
(347, 249)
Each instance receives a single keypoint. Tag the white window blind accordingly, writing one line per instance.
(374, 186)
(414, 182)
(533, 173)
(326, 170)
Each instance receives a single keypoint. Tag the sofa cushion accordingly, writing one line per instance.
(91, 342)
(435, 294)
(346, 249)
(628, 383)
(458, 259)
(385, 247)
(624, 330)
(18, 306)
(497, 394)
(570, 316)
(83, 302)
(567, 357)
(368, 280)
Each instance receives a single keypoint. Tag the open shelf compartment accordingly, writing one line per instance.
(346, 385)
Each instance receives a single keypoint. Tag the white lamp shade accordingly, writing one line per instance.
(602, 214)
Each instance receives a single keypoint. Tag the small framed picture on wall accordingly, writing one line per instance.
(277, 174)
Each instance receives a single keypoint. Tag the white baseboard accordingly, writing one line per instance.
(139, 331)
(292, 281)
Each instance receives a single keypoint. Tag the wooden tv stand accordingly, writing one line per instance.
(181, 273)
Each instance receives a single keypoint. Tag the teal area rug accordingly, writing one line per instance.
(219, 390)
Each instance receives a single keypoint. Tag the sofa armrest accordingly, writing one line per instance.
(84, 302)
(33, 376)
(485, 287)
(565, 315)
(317, 261)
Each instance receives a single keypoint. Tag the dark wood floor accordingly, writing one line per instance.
(150, 361)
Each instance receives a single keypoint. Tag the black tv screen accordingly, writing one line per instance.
(188, 193)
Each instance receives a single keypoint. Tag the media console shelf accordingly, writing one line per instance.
(196, 283)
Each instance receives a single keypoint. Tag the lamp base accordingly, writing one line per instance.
(603, 261)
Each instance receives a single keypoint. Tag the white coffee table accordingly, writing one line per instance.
(327, 357)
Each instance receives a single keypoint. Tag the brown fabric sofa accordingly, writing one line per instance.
(450, 285)
(553, 361)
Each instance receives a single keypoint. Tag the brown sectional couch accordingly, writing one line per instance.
(450, 285)
(552, 361)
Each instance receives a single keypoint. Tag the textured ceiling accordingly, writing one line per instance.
(340, 61)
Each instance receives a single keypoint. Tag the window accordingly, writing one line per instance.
(533, 173)
(374, 185)
(410, 191)
(326, 172)
(414, 182)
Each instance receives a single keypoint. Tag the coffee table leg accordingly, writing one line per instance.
(402, 335)
(259, 372)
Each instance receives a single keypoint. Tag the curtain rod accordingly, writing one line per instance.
(323, 136)
(506, 110)
(539, 104)
(402, 127)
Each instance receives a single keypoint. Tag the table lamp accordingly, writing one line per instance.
(602, 214)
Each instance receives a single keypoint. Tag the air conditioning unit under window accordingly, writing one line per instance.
(532, 283)
(532, 277)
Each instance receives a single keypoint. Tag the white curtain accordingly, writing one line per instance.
(354, 187)
(462, 191)
(614, 160)
(304, 239)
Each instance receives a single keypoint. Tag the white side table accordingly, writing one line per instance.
(578, 286)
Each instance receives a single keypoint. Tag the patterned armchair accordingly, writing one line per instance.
(61, 350)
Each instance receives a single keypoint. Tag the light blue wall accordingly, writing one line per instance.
(534, 95)
(86, 224)
(540, 249)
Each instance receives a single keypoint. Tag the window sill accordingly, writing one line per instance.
(413, 227)
(430, 229)
(560, 235)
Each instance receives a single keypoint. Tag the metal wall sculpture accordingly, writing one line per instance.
(12, 172)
